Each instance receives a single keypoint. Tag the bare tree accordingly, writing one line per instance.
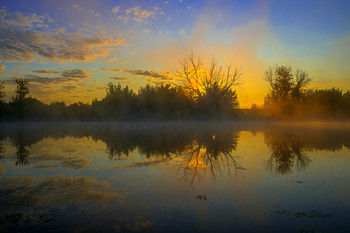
(214, 84)
(198, 79)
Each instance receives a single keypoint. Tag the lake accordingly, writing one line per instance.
(175, 177)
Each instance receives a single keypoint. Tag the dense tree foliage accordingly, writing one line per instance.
(286, 89)
(164, 102)
(288, 97)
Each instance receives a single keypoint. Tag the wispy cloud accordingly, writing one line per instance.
(112, 70)
(116, 9)
(137, 14)
(73, 75)
(43, 80)
(2, 68)
(45, 71)
(148, 73)
(120, 78)
(18, 19)
(150, 76)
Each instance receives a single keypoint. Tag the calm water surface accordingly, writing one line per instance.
(174, 177)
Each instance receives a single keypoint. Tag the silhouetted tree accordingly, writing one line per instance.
(118, 103)
(346, 103)
(57, 110)
(163, 102)
(79, 111)
(211, 87)
(327, 103)
(2, 96)
(22, 89)
(285, 89)
(2, 92)
(19, 100)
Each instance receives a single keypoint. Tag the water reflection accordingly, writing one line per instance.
(208, 146)
(133, 181)
(2, 151)
(212, 150)
(287, 151)
(290, 146)
(203, 147)
(30, 200)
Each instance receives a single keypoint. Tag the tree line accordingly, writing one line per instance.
(289, 97)
(205, 93)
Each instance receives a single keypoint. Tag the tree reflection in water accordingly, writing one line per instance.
(2, 151)
(287, 151)
(210, 150)
(289, 145)
(22, 141)
(22, 154)
(203, 147)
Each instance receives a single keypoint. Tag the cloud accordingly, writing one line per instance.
(154, 77)
(23, 45)
(112, 70)
(69, 87)
(2, 68)
(33, 78)
(45, 71)
(73, 75)
(120, 78)
(114, 59)
(18, 19)
(137, 14)
(149, 73)
(92, 12)
(182, 32)
(116, 9)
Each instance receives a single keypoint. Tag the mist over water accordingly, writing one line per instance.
(174, 177)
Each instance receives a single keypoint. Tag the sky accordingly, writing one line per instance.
(71, 49)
